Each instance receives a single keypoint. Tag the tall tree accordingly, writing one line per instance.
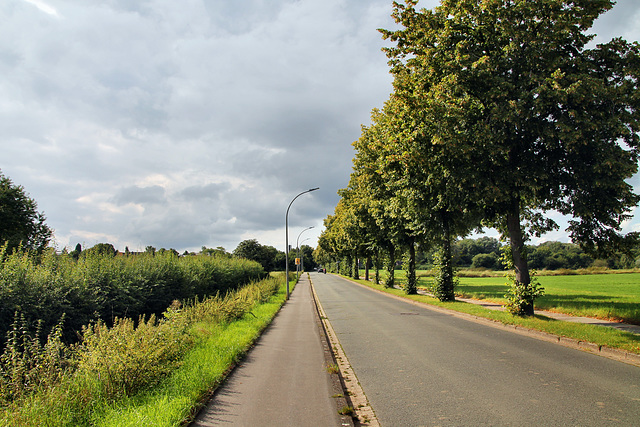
(20, 221)
(553, 125)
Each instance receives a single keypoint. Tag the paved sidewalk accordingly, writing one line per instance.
(283, 380)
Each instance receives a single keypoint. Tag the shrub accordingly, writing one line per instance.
(488, 261)
(106, 287)
(26, 365)
(127, 358)
(109, 363)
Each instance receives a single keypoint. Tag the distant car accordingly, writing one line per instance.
(321, 270)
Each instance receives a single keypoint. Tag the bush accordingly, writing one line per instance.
(106, 287)
(127, 358)
(489, 261)
(72, 383)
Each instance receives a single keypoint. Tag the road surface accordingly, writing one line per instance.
(423, 367)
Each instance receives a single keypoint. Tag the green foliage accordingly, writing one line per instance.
(555, 255)
(520, 296)
(267, 256)
(27, 365)
(219, 251)
(466, 249)
(489, 261)
(491, 120)
(100, 249)
(444, 277)
(56, 384)
(21, 225)
(103, 286)
(131, 356)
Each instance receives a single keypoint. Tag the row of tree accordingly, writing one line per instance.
(486, 253)
(499, 114)
(274, 260)
(269, 257)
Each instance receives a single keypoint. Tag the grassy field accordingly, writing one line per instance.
(604, 296)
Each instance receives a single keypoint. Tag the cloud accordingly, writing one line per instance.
(44, 7)
(191, 123)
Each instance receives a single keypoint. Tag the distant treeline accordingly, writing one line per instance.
(104, 284)
(484, 252)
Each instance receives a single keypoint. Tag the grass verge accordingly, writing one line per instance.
(177, 399)
(599, 335)
(610, 297)
(82, 399)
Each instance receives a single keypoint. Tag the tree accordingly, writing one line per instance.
(219, 251)
(101, 249)
(553, 125)
(75, 254)
(380, 181)
(250, 249)
(20, 222)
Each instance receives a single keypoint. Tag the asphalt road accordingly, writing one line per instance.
(423, 367)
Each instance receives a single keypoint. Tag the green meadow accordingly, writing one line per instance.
(604, 296)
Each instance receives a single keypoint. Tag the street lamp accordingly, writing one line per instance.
(298, 245)
(286, 231)
(301, 254)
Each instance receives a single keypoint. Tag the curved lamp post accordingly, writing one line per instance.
(286, 228)
(298, 244)
(301, 255)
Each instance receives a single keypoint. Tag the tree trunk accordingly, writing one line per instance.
(356, 265)
(366, 268)
(376, 265)
(520, 264)
(391, 267)
(349, 261)
(411, 287)
(444, 278)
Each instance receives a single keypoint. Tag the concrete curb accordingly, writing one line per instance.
(339, 389)
(350, 386)
(611, 353)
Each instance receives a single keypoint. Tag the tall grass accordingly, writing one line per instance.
(125, 364)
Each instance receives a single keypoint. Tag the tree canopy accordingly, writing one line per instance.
(500, 114)
(20, 222)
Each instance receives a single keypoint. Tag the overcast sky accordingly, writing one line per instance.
(191, 123)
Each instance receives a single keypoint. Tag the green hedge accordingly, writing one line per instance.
(106, 287)
(118, 367)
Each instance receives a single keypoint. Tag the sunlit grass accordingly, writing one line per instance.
(603, 296)
(176, 399)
